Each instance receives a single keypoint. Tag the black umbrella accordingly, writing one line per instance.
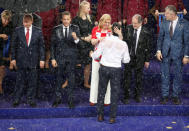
(19, 7)
(30, 6)
(18, 17)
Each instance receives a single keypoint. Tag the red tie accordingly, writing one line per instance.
(27, 36)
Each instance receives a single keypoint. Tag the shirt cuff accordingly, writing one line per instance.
(76, 41)
(158, 51)
(186, 56)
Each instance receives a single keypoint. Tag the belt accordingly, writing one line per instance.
(109, 66)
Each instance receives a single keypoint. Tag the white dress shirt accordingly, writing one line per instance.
(113, 50)
(138, 34)
(68, 27)
(174, 24)
(30, 33)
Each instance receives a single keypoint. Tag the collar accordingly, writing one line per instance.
(65, 26)
(176, 20)
(139, 29)
(30, 28)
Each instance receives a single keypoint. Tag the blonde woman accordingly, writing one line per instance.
(83, 20)
(73, 5)
(5, 31)
(99, 33)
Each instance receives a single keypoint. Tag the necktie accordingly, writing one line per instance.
(134, 43)
(66, 33)
(135, 40)
(171, 30)
(27, 36)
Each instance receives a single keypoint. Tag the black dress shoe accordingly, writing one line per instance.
(56, 103)
(164, 100)
(16, 103)
(125, 101)
(137, 99)
(176, 101)
(32, 103)
(112, 120)
(71, 105)
(100, 118)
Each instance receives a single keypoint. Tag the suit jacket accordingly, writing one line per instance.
(8, 29)
(186, 17)
(143, 52)
(177, 46)
(27, 56)
(64, 49)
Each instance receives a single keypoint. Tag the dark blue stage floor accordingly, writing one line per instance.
(148, 115)
(124, 123)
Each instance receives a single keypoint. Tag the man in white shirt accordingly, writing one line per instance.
(114, 52)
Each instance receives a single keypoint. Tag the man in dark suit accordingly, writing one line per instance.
(28, 53)
(172, 47)
(63, 56)
(138, 39)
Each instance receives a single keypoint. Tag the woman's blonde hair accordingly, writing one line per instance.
(103, 19)
(81, 6)
(6, 14)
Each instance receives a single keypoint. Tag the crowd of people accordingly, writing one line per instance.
(99, 46)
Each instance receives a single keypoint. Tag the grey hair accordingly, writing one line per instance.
(138, 17)
(171, 8)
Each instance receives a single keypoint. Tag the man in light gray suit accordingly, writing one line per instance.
(172, 48)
